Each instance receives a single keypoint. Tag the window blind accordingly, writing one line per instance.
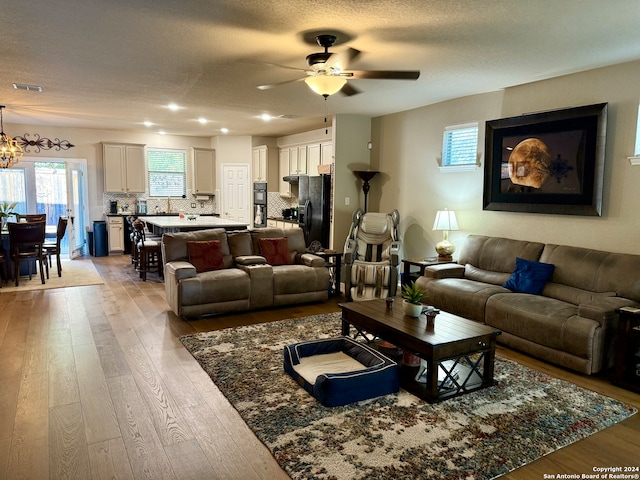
(167, 172)
(460, 145)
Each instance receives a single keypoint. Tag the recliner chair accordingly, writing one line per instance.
(371, 255)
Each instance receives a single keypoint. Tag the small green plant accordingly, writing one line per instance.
(6, 209)
(412, 293)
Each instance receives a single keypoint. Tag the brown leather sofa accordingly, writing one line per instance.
(571, 323)
(246, 280)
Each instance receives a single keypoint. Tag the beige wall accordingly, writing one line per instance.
(407, 144)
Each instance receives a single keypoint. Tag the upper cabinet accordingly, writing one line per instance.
(124, 168)
(260, 164)
(318, 154)
(204, 171)
(298, 160)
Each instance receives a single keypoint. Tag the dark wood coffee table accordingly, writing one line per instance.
(459, 353)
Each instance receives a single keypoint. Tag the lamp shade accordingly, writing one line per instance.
(325, 85)
(445, 220)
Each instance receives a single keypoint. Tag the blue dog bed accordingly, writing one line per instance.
(338, 371)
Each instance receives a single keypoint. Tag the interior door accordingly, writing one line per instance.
(75, 208)
(236, 196)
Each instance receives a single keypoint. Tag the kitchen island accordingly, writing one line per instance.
(162, 224)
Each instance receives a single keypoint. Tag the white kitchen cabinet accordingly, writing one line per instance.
(260, 164)
(124, 168)
(116, 234)
(314, 159)
(298, 160)
(326, 153)
(204, 171)
(272, 223)
(283, 164)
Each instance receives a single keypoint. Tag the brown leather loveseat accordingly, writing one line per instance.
(243, 279)
(570, 322)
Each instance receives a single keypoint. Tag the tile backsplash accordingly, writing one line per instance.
(172, 205)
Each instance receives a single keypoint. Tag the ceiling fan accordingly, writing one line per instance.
(328, 72)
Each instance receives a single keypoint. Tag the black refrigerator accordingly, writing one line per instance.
(314, 201)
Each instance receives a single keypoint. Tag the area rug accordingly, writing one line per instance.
(477, 436)
(75, 273)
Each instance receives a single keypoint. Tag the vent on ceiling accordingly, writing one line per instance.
(28, 88)
(288, 116)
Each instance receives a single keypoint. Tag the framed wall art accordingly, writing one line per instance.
(550, 162)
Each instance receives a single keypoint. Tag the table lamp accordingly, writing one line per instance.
(445, 221)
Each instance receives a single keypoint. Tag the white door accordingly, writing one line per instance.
(236, 196)
(76, 208)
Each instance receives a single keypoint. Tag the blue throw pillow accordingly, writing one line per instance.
(529, 277)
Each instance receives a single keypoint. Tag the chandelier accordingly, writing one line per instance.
(10, 151)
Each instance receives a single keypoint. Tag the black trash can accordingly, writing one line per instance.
(100, 242)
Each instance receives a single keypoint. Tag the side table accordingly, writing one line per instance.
(409, 276)
(333, 261)
(627, 362)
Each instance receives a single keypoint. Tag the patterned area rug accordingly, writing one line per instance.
(480, 435)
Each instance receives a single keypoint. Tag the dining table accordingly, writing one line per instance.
(160, 224)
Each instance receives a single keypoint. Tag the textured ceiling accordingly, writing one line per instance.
(114, 64)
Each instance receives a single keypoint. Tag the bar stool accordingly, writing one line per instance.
(149, 252)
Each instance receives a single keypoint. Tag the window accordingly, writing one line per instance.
(460, 146)
(167, 172)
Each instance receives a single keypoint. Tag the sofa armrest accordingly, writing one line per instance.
(444, 270)
(179, 270)
(251, 260)
(603, 310)
(310, 260)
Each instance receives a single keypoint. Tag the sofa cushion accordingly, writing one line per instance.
(529, 277)
(461, 296)
(174, 245)
(205, 255)
(497, 254)
(275, 251)
(240, 243)
(219, 286)
(545, 321)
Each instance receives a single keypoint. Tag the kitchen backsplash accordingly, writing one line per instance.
(275, 203)
(174, 205)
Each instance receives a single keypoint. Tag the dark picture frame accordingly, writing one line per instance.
(550, 162)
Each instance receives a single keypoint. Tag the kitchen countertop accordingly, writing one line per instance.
(165, 222)
(282, 219)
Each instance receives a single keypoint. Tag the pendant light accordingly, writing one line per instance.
(10, 151)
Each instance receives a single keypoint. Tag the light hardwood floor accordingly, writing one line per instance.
(95, 384)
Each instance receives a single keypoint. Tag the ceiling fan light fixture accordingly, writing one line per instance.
(325, 85)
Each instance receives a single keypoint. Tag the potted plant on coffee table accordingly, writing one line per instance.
(412, 294)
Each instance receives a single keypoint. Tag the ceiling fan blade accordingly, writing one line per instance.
(341, 60)
(273, 85)
(349, 90)
(283, 66)
(384, 74)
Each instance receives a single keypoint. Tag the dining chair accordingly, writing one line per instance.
(32, 217)
(3, 265)
(53, 248)
(25, 240)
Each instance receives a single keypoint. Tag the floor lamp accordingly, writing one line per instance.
(365, 176)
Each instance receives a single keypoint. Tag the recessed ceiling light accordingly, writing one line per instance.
(173, 107)
(148, 124)
(202, 120)
(224, 130)
(162, 132)
(266, 117)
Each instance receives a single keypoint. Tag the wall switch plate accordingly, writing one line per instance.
(193, 205)
(347, 201)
